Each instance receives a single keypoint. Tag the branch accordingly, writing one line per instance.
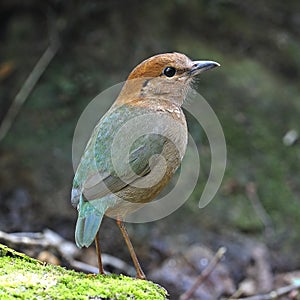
(205, 273)
(27, 88)
(273, 294)
(251, 192)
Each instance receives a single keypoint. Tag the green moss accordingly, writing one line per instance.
(8, 252)
(25, 278)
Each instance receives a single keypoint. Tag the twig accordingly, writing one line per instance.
(205, 273)
(251, 192)
(83, 267)
(16, 239)
(45, 240)
(273, 294)
(27, 88)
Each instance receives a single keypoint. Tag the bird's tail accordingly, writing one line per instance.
(88, 223)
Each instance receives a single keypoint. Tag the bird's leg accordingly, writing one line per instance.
(139, 272)
(98, 250)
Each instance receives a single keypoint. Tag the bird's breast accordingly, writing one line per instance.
(173, 128)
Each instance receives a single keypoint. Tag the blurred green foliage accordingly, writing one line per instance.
(255, 94)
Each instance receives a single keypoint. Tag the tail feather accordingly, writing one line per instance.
(90, 215)
(86, 229)
(88, 223)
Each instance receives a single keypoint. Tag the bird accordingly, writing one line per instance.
(151, 102)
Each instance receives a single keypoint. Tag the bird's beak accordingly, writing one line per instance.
(200, 66)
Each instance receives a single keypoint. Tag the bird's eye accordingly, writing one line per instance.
(169, 71)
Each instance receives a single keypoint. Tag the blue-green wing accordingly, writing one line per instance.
(96, 179)
(96, 175)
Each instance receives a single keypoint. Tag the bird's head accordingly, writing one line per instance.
(166, 76)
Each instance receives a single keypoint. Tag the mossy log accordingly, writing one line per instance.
(23, 277)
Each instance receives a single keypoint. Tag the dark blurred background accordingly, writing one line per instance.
(255, 94)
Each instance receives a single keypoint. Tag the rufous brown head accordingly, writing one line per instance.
(165, 76)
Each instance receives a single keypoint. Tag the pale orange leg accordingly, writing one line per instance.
(98, 250)
(139, 272)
